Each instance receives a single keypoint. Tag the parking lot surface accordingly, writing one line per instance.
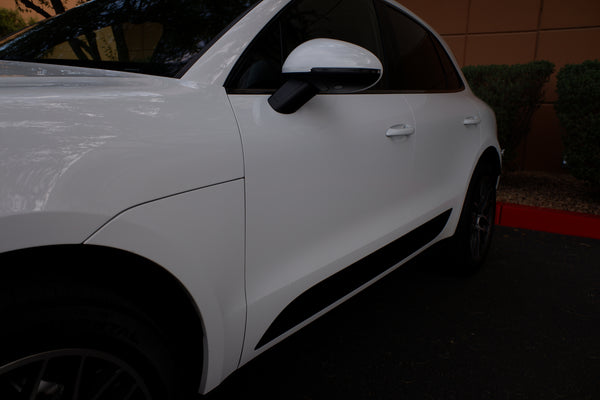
(525, 327)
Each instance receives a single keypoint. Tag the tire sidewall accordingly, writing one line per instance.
(464, 260)
(67, 321)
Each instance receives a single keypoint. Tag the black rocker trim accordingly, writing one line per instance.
(337, 286)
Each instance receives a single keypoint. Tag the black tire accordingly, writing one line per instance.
(68, 342)
(469, 246)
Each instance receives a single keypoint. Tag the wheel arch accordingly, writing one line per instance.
(163, 299)
(490, 156)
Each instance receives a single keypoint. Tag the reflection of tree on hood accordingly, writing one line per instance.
(183, 28)
(11, 21)
(47, 8)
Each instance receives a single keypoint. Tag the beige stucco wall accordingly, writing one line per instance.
(10, 4)
(519, 31)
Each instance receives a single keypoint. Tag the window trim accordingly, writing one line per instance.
(439, 47)
(106, 65)
(235, 70)
(209, 45)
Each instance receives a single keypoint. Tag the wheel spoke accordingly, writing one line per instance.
(107, 385)
(131, 392)
(71, 374)
(36, 384)
(482, 217)
(78, 379)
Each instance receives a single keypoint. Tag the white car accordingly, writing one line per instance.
(185, 183)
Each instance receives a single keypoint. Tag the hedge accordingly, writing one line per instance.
(514, 92)
(578, 110)
(10, 21)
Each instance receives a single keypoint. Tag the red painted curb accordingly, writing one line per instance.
(548, 220)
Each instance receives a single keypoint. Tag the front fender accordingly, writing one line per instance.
(36, 229)
(198, 236)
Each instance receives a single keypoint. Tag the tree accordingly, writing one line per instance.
(108, 34)
(10, 21)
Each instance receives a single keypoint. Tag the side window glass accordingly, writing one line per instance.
(415, 61)
(259, 68)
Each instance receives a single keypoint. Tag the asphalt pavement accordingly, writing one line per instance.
(527, 326)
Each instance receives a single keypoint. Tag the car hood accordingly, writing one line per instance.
(17, 69)
(92, 141)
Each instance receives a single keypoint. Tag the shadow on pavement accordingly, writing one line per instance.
(526, 327)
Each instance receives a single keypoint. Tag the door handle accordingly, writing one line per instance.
(400, 130)
(473, 120)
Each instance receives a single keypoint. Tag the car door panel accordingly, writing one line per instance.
(447, 128)
(324, 188)
(445, 148)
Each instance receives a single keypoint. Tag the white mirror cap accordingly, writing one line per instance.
(329, 53)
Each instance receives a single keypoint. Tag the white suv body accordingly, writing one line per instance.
(263, 220)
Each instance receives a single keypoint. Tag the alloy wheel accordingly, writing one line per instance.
(73, 374)
(482, 217)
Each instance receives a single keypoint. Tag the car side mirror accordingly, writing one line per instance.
(324, 66)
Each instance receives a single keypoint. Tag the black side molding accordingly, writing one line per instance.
(352, 277)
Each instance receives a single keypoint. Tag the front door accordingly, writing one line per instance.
(325, 186)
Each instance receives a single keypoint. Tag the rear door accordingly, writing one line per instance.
(447, 137)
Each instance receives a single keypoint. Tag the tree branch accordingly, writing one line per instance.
(58, 6)
(29, 4)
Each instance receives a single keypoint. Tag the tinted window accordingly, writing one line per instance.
(351, 21)
(414, 60)
(149, 36)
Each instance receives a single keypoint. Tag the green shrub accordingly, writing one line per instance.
(10, 21)
(514, 92)
(578, 110)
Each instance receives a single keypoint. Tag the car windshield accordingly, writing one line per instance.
(158, 37)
